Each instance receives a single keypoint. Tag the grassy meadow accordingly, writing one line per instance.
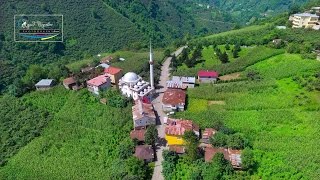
(279, 117)
(139, 59)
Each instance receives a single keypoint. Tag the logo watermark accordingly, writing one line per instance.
(38, 28)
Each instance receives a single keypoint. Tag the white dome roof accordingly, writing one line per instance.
(130, 77)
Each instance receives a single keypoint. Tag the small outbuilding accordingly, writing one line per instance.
(205, 76)
(44, 84)
(69, 83)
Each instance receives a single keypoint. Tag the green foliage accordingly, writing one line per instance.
(218, 168)
(135, 169)
(20, 123)
(151, 135)
(247, 159)
(169, 163)
(82, 131)
(219, 140)
(34, 74)
(126, 149)
(237, 141)
(115, 99)
(191, 144)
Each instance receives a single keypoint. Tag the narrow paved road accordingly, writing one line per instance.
(165, 72)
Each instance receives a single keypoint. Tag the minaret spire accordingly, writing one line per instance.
(151, 67)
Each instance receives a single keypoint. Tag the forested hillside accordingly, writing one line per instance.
(92, 27)
(243, 11)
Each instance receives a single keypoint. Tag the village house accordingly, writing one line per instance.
(207, 76)
(144, 152)
(138, 134)
(44, 84)
(143, 115)
(176, 129)
(70, 83)
(98, 83)
(114, 73)
(234, 156)
(174, 100)
(207, 134)
(304, 20)
(181, 82)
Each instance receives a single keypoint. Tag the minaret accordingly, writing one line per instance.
(151, 68)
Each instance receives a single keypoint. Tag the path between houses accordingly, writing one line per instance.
(165, 72)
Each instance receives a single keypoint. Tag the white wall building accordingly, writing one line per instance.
(304, 20)
(132, 85)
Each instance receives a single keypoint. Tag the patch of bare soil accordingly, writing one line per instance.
(230, 76)
(216, 102)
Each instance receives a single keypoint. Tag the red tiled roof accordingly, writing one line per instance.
(69, 80)
(144, 152)
(208, 132)
(112, 70)
(178, 127)
(204, 73)
(211, 151)
(174, 97)
(99, 80)
(177, 149)
(138, 134)
(140, 110)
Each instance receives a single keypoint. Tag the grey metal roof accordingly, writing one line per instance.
(184, 79)
(306, 15)
(45, 82)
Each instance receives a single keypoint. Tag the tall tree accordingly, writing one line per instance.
(191, 143)
(151, 135)
(224, 57)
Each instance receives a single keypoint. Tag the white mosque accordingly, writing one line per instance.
(132, 85)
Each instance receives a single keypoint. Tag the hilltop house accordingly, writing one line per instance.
(207, 134)
(174, 100)
(144, 152)
(98, 83)
(234, 156)
(114, 73)
(207, 76)
(304, 20)
(143, 115)
(181, 82)
(176, 129)
(44, 84)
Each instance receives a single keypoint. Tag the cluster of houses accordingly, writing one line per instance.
(174, 98)
(175, 130)
(309, 19)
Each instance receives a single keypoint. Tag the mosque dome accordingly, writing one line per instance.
(130, 77)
